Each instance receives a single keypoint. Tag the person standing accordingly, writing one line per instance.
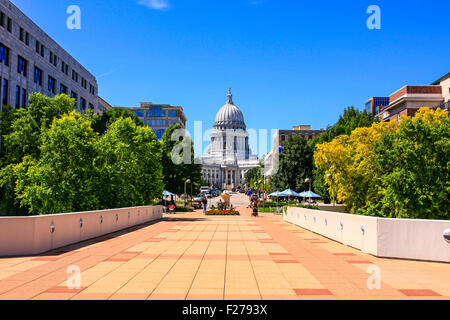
(205, 203)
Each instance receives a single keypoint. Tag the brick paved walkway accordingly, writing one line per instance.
(192, 257)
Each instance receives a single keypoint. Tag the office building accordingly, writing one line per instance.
(409, 99)
(303, 130)
(375, 104)
(102, 106)
(159, 117)
(31, 61)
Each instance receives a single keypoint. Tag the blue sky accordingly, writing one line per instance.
(289, 62)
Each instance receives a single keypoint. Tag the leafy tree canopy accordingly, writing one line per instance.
(175, 143)
(295, 166)
(102, 123)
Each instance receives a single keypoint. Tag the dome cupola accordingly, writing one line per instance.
(229, 116)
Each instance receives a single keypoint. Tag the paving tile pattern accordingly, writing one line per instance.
(192, 257)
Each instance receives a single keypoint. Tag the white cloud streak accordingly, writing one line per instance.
(155, 4)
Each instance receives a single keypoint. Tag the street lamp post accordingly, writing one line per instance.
(331, 177)
(185, 191)
(310, 188)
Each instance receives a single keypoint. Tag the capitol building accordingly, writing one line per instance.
(228, 157)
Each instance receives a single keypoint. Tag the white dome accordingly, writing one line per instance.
(229, 116)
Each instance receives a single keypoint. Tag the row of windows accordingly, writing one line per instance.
(161, 123)
(21, 97)
(307, 137)
(22, 67)
(40, 49)
(5, 22)
(21, 93)
(155, 113)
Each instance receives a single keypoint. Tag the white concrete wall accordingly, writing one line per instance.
(32, 235)
(388, 238)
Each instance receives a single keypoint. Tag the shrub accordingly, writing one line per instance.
(222, 213)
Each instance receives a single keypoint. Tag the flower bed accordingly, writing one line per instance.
(222, 213)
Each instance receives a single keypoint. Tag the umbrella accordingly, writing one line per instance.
(311, 194)
(290, 193)
(277, 194)
(167, 194)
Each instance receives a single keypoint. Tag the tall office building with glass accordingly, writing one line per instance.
(159, 117)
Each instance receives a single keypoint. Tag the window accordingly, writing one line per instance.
(42, 50)
(27, 39)
(53, 59)
(51, 84)
(91, 89)
(139, 113)
(172, 113)
(24, 98)
(91, 106)
(283, 138)
(156, 111)
(21, 35)
(160, 133)
(38, 47)
(22, 66)
(9, 25)
(38, 76)
(62, 89)
(2, 19)
(5, 92)
(74, 76)
(74, 95)
(83, 104)
(4, 54)
(17, 97)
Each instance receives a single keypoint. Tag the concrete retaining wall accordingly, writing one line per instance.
(387, 238)
(33, 235)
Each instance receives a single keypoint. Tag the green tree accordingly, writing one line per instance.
(253, 175)
(350, 120)
(21, 136)
(295, 166)
(101, 124)
(129, 164)
(29, 123)
(64, 179)
(415, 161)
(174, 144)
(6, 120)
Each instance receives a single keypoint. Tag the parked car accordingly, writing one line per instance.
(197, 201)
(205, 189)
